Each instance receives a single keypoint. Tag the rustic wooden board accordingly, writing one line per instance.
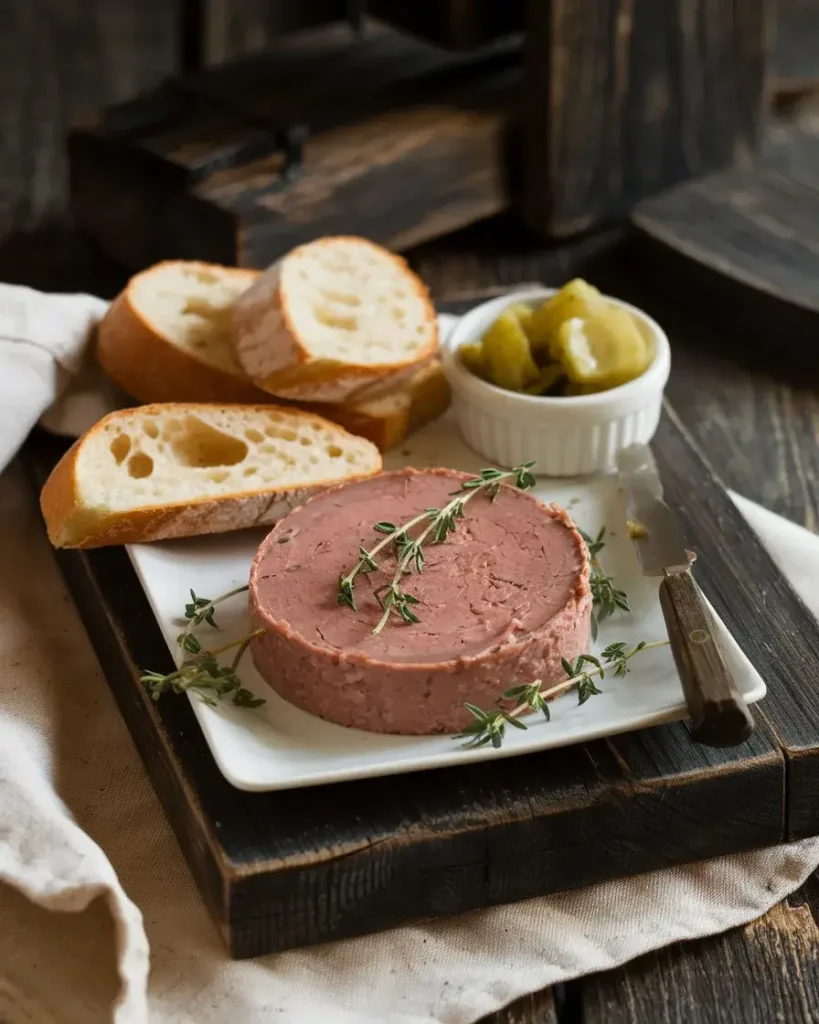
(404, 143)
(285, 869)
(623, 98)
(743, 242)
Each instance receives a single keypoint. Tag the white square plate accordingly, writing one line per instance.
(277, 746)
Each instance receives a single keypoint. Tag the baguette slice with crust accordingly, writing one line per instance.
(388, 420)
(176, 470)
(166, 337)
(339, 319)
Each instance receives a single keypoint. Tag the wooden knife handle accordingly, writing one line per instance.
(718, 711)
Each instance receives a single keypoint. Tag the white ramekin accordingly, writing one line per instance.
(563, 436)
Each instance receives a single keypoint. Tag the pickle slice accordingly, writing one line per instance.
(472, 357)
(524, 314)
(570, 389)
(577, 299)
(507, 355)
(603, 350)
(546, 379)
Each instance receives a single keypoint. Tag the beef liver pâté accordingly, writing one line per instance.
(501, 601)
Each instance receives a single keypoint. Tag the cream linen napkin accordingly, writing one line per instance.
(84, 842)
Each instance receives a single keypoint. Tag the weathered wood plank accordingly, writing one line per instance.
(234, 28)
(763, 973)
(456, 24)
(797, 45)
(742, 243)
(538, 1008)
(496, 253)
(623, 98)
(402, 143)
(53, 67)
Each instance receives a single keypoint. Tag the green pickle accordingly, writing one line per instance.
(506, 351)
(524, 314)
(546, 379)
(575, 343)
(576, 299)
(603, 351)
(473, 359)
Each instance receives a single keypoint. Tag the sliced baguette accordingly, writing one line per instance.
(339, 319)
(390, 419)
(177, 470)
(166, 337)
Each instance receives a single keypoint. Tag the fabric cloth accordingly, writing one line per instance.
(91, 877)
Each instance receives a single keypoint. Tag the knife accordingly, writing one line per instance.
(719, 714)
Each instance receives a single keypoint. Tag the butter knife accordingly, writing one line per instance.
(719, 714)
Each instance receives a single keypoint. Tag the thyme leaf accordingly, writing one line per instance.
(438, 524)
(490, 726)
(606, 598)
(200, 670)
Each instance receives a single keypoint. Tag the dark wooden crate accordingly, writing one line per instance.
(382, 136)
(284, 869)
(623, 99)
(457, 24)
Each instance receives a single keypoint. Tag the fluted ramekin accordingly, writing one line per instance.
(571, 436)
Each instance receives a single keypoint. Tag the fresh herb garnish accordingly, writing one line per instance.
(201, 609)
(605, 597)
(440, 522)
(201, 671)
(490, 726)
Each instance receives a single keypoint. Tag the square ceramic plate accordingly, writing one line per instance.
(277, 746)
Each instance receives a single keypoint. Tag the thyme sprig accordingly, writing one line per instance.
(440, 522)
(605, 596)
(200, 671)
(490, 726)
(199, 610)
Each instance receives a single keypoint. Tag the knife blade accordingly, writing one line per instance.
(719, 714)
(657, 537)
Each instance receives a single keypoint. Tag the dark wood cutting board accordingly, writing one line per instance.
(287, 869)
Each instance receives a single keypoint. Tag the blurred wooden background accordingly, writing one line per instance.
(59, 58)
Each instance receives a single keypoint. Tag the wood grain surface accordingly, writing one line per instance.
(623, 98)
(402, 142)
(797, 46)
(743, 241)
(234, 28)
(456, 24)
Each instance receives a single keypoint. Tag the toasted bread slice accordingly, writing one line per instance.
(176, 470)
(339, 319)
(390, 419)
(165, 338)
